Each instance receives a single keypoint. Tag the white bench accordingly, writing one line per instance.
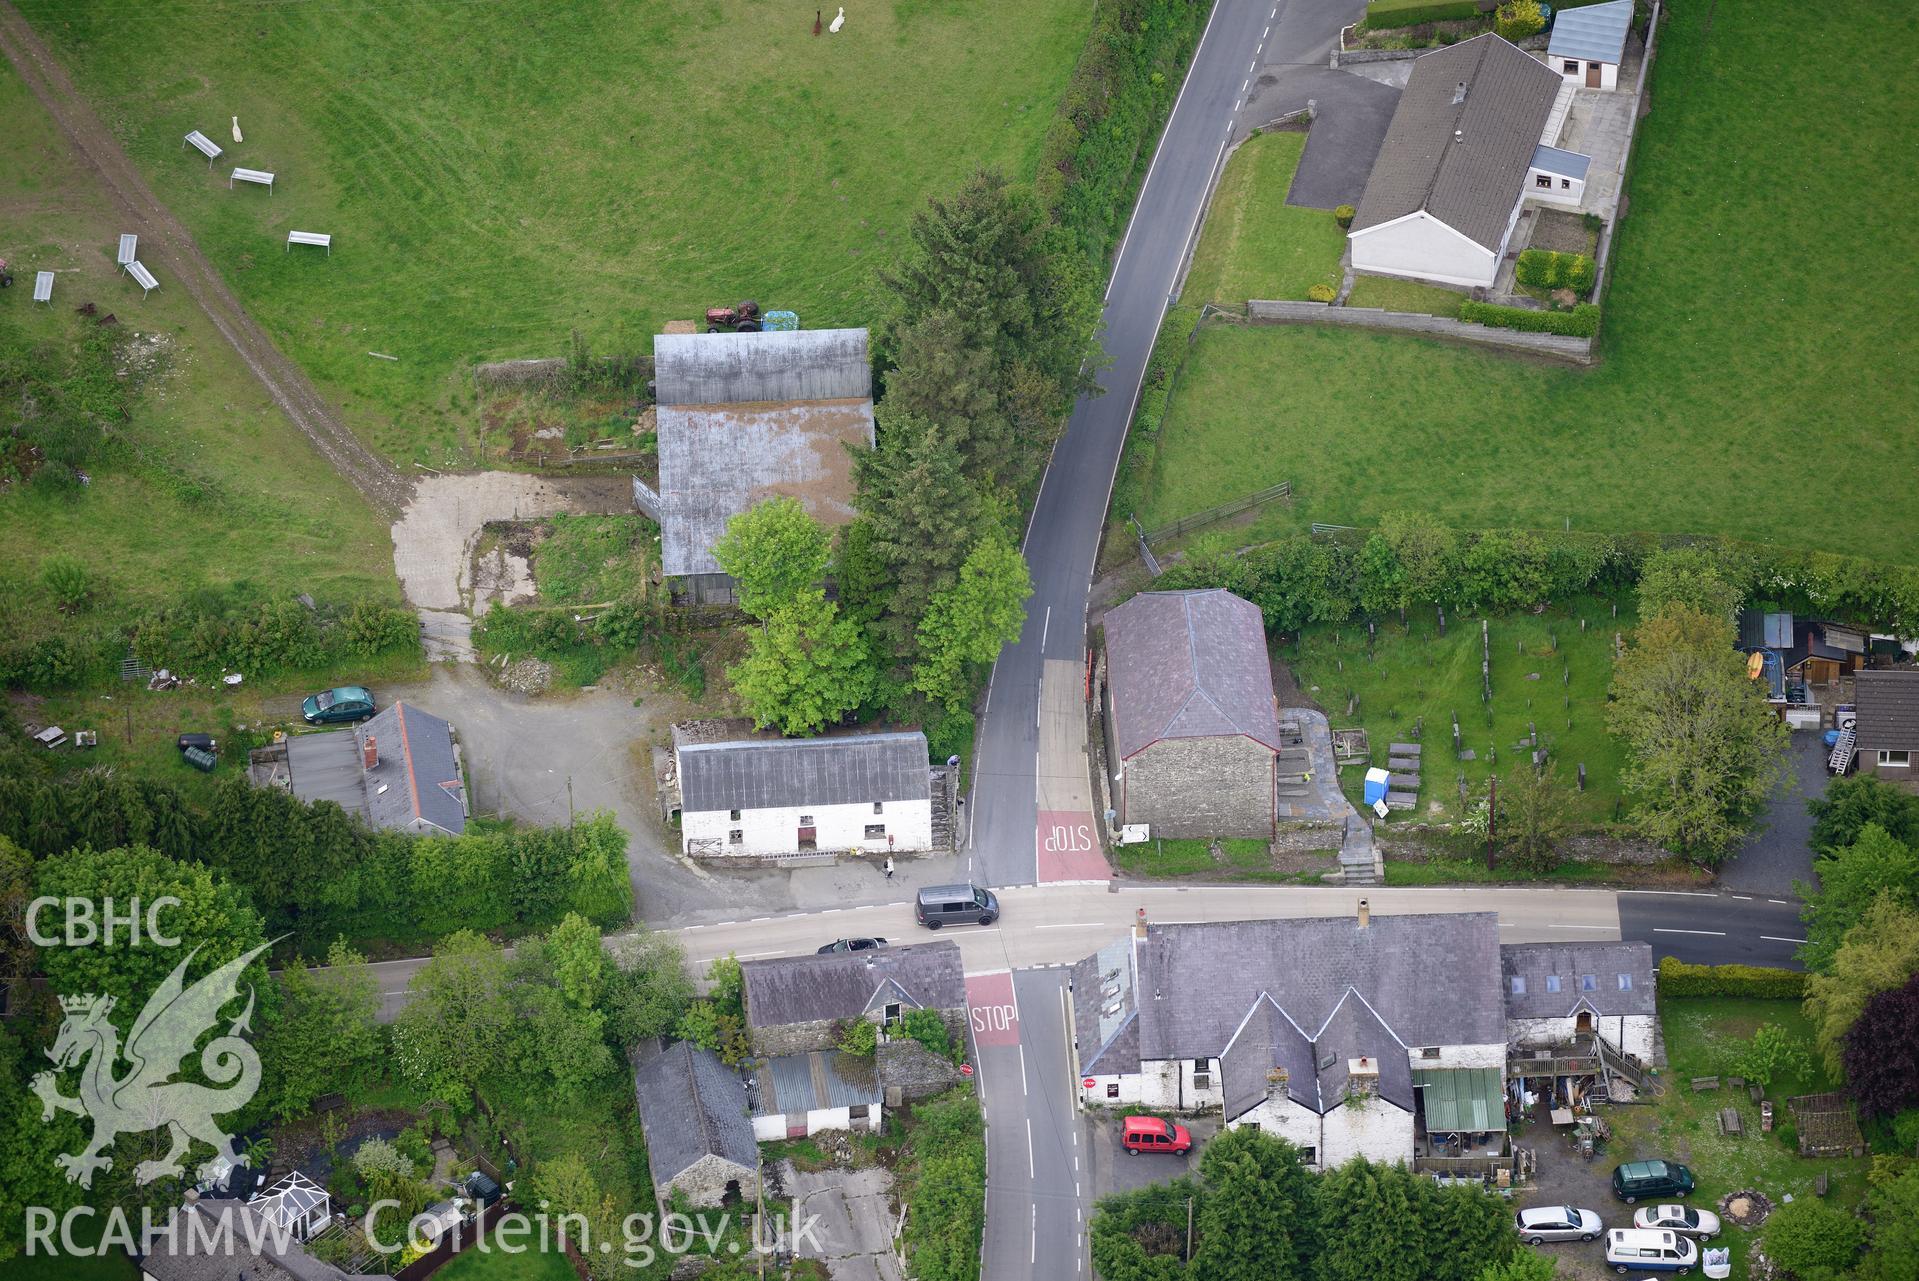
(128, 251)
(319, 238)
(202, 144)
(257, 176)
(142, 277)
(43, 286)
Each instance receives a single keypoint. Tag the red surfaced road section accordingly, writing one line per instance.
(995, 1017)
(1068, 848)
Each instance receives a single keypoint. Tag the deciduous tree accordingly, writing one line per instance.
(1811, 1240)
(805, 668)
(1774, 1054)
(1535, 818)
(967, 622)
(1881, 1051)
(456, 1026)
(1693, 578)
(1892, 1208)
(775, 551)
(1879, 954)
(1849, 879)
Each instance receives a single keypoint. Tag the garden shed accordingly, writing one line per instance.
(1589, 43)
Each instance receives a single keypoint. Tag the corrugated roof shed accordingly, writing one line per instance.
(417, 778)
(797, 1083)
(844, 985)
(1471, 182)
(1462, 1100)
(1611, 978)
(1595, 33)
(735, 369)
(1189, 665)
(1888, 707)
(692, 1106)
(783, 773)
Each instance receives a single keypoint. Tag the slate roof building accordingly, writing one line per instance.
(399, 771)
(769, 796)
(1324, 1031)
(1589, 43)
(747, 417)
(699, 1135)
(1887, 705)
(1192, 727)
(225, 1240)
(1556, 993)
(794, 1002)
(1471, 139)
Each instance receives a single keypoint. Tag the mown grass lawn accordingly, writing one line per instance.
(1255, 244)
(1414, 675)
(1404, 295)
(209, 484)
(494, 1263)
(495, 175)
(1704, 1037)
(1753, 384)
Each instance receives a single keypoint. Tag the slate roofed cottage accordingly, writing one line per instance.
(1192, 727)
(746, 417)
(1887, 706)
(399, 771)
(1471, 140)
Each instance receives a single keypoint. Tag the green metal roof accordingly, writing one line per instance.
(1462, 1100)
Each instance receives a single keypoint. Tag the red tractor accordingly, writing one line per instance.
(743, 319)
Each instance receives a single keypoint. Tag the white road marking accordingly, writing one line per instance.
(1512, 925)
(1262, 35)
(1023, 1088)
(1242, 86)
(1714, 933)
(1743, 898)
(1031, 1171)
(1043, 629)
(1670, 893)
(1770, 938)
(1073, 925)
(1780, 901)
(1033, 1254)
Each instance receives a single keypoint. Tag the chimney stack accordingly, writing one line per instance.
(1139, 925)
(1365, 914)
(370, 753)
(1459, 93)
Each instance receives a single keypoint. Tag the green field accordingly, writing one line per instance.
(1750, 380)
(495, 175)
(1415, 674)
(1255, 244)
(208, 484)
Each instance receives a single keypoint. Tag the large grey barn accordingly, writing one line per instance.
(1192, 728)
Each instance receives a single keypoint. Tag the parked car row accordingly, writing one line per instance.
(1662, 1238)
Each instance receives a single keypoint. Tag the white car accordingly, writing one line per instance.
(1557, 1223)
(1682, 1219)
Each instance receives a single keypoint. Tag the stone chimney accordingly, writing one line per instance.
(1139, 925)
(370, 753)
(1459, 93)
(1278, 1085)
(1365, 908)
(1362, 1077)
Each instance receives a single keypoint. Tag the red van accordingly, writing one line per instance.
(1150, 1134)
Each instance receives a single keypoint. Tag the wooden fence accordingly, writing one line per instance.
(1199, 520)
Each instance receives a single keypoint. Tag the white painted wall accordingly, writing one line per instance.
(772, 1129)
(1289, 1119)
(1421, 247)
(1374, 1129)
(1608, 72)
(841, 827)
(1159, 1083)
(1459, 1056)
(1632, 1033)
(1563, 191)
(1130, 1085)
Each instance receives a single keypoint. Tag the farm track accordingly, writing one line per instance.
(166, 243)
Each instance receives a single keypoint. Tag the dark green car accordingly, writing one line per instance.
(331, 706)
(1647, 1180)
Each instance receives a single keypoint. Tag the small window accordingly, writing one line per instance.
(1572, 66)
(1589, 982)
(735, 836)
(734, 815)
(1896, 760)
(1543, 180)
(1519, 985)
(1250, 1125)
(1565, 184)
(893, 1012)
(1552, 982)
(857, 1111)
(1202, 1081)
(1625, 982)
(806, 820)
(1309, 1156)
(1112, 1090)
(879, 807)
(1327, 1061)
(1199, 1065)
(876, 831)
(1429, 1052)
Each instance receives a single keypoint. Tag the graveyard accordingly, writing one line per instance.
(1548, 674)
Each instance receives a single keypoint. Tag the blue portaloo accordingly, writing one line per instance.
(1376, 780)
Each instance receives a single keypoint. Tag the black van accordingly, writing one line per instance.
(938, 905)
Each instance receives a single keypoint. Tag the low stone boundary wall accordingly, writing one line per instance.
(1558, 346)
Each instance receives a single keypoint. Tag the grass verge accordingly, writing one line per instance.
(1255, 244)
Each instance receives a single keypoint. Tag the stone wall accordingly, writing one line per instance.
(1419, 843)
(1557, 346)
(1197, 787)
(704, 1182)
(793, 1038)
(915, 1071)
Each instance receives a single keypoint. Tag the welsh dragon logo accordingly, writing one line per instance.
(146, 1097)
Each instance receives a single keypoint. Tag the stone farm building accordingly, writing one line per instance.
(699, 1135)
(1471, 140)
(747, 417)
(1887, 704)
(1389, 1037)
(399, 771)
(1192, 727)
(762, 797)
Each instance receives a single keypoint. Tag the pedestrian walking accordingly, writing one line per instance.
(889, 867)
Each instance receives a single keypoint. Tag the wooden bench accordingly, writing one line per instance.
(43, 286)
(1729, 1123)
(1701, 1084)
(258, 177)
(320, 238)
(128, 251)
(202, 144)
(142, 277)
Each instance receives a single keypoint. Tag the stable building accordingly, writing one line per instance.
(766, 797)
(1192, 725)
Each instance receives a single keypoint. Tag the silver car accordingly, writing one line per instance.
(1683, 1219)
(1557, 1223)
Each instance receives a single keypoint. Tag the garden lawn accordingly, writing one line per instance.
(1704, 1036)
(1255, 244)
(209, 484)
(495, 1264)
(496, 175)
(1404, 295)
(1747, 382)
(1416, 674)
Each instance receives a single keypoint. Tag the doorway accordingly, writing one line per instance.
(1592, 75)
(1584, 1025)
